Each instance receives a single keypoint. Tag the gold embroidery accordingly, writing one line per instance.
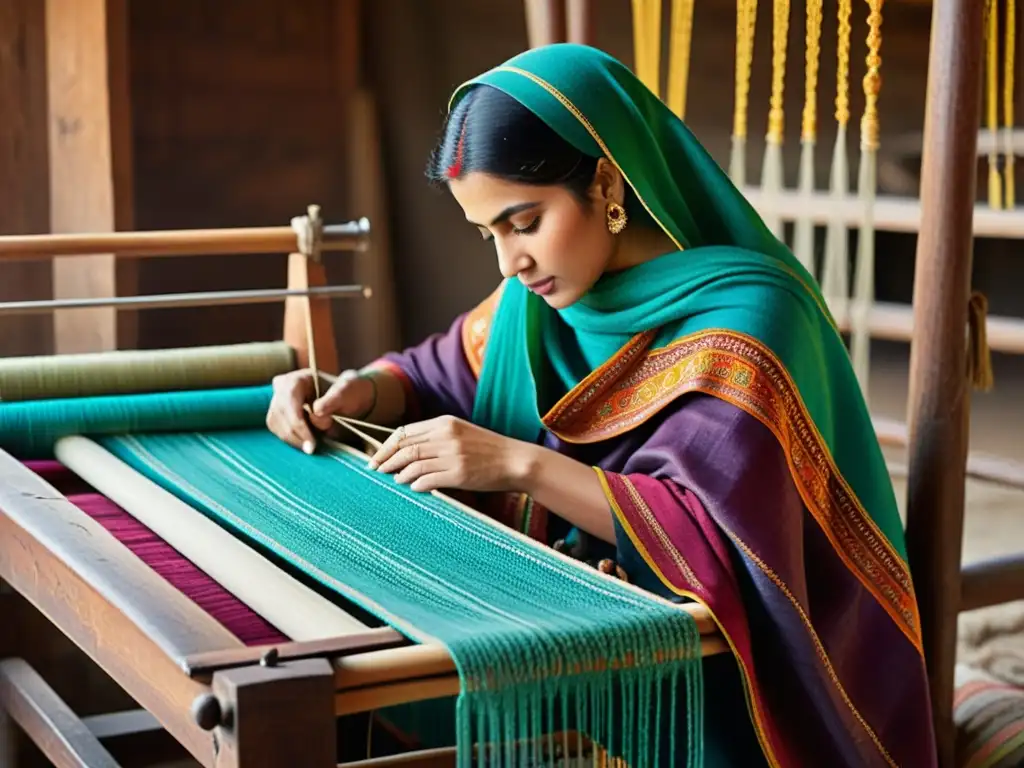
(633, 387)
(645, 513)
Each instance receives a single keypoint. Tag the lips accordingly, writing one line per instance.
(542, 287)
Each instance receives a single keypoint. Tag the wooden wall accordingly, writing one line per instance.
(238, 119)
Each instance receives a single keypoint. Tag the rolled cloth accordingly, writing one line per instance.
(29, 429)
(135, 371)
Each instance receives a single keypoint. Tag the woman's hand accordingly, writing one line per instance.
(447, 452)
(349, 395)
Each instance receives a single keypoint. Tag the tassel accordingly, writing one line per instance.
(979, 355)
(771, 171)
(835, 277)
(738, 161)
(864, 285)
(803, 236)
(771, 185)
(746, 16)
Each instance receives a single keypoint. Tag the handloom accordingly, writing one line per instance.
(439, 619)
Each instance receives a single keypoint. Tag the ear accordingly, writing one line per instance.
(608, 185)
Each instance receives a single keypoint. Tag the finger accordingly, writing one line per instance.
(418, 469)
(281, 428)
(408, 434)
(295, 424)
(331, 400)
(433, 481)
(407, 455)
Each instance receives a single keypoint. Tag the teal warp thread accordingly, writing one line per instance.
(29, 429)
(532, 635)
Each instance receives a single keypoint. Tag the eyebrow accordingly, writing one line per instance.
(512, 210)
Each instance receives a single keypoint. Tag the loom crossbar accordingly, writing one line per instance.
(349, 236)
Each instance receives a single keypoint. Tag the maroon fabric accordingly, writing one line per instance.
(195, 584)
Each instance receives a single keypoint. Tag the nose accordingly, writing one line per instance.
(512, 258)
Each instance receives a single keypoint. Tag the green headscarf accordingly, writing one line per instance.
(730, 273)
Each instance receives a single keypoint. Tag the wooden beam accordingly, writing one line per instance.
(939, 402)
(545, 22)
(90, 164)
(23, 169)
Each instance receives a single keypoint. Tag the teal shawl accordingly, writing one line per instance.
(729, 273)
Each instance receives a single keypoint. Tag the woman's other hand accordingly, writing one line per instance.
(447, 452)
(349, 395)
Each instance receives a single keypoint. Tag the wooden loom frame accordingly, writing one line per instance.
(228, 704)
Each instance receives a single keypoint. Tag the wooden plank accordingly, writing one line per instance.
(90, 164)
(992, 582)
(23, 169)
(891, 213)
(51, 725)
(378, 639)
(132, 623)
(939, 401)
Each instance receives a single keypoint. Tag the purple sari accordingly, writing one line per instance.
(706, 509)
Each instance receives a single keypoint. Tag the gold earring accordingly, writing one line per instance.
(616, 217)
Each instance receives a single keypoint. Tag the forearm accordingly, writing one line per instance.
(386, 403)
(569, 489)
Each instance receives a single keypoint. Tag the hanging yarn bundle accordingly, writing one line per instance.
(864, 284)
(995, 188)
(679, 56)
(771, 171)
(803, 236)
(1009, 59)
(746, 19)
(835, 280)
(1001, 187)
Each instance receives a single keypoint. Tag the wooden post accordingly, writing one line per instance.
(545, 22)
(273, 716)
(305, 273)
(90, 164)
(580, 21)
(23, 170)
(939, 398)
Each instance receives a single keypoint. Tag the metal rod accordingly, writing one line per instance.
(350, 236)
(169, 300)
(939, 402)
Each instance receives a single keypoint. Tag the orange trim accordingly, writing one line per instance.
(635, 384)
(476, 327)
(754, 706)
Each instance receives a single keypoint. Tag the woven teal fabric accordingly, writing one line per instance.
(532, 634)
(29, 429)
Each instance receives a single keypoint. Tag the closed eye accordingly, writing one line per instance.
(531, 227)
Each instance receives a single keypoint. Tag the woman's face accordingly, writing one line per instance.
(545, 237)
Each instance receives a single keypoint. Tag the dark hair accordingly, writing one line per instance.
(490, 132)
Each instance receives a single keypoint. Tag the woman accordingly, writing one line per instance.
(657, 385)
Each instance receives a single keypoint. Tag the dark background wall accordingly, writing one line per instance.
(238, 119)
